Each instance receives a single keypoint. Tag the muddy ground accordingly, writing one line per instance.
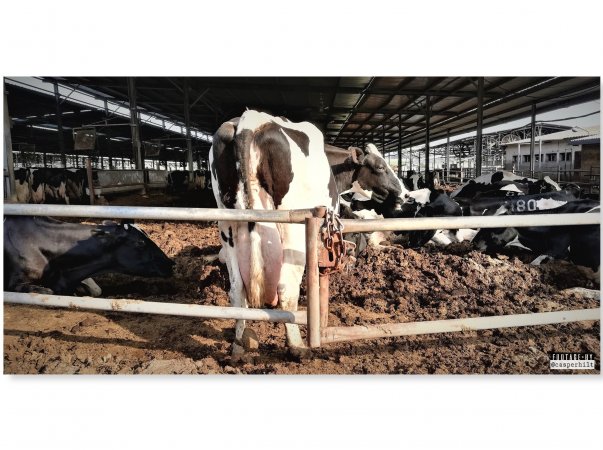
(386, 285)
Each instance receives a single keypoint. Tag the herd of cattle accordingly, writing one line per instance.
(258, 161)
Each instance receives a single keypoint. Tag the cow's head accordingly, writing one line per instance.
(133, 252)
(491, 239)
(373, 174)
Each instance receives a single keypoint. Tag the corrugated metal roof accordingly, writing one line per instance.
(593, 139)
(562, 135)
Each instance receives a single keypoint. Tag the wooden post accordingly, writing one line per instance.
(90, 184)
(312, 291)
(323, 281)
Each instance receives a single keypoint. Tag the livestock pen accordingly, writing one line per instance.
(318, 332)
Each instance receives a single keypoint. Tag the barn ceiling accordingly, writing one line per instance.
(349, 110)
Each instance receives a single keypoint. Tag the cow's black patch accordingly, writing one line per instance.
(300, 138)
(223, 166)
(496, 177)
(274, 171)
(250, 226)
(223, 236)
(230, 240)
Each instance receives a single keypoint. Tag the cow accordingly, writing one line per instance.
(366, 178)
(23, 185)
(415, 181)
(49, 256)
(178, 181)
(500, 179)
(263, 162)
(76, 182)
(199, 179)
(488, 206)
(579, 243)
(49, 186)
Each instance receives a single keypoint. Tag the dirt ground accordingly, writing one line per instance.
(386, 285)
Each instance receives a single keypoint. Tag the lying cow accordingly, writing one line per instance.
(48, 256)
(263, 162)
(579, 243)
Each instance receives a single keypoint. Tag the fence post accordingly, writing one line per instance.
(313, 291)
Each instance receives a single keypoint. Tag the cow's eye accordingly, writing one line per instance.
(380, 169)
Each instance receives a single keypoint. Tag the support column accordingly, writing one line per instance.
(427, 132)
(187, 124)
(135, 124)
(61, 137)
(532, 139)
(480, 123)
(540, 150)
(410, 155)
(8, 153)
(399, 145)
(447, 178)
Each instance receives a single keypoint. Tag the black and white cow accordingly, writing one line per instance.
(415, 181)
(365, 180)
(506, 181)
(489, 206)
(178, 181)
(23, 185)
(76, 182)
(48, 256)
(263, 162)
(49, 186)
(199, 179)
(579, 243)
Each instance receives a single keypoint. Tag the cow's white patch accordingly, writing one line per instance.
(548, 180)
(465, 234)
(441, 238)
(511, 188)
(515, 243)
(367, 214)
(420, 196)
(549, 203)
(487, 179)
(539, 260)
(360, 194)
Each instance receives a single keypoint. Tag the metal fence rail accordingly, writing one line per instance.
(317, 286)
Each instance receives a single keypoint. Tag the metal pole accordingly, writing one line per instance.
(135, 123)
(480, 122)
(343, 334)
(410, 153)
(447, 178)
(451, 223)
(187, 124)
(61, 137)
(427, 131)
(8, 153)
(323, 282)
(161, 213)
(172, 309)
(312, 280)
(532, 139)
(90, 181)
(399, 145)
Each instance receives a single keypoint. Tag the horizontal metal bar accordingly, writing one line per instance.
(158, 213)
(171, 309)
(451, 223)
(343, 334)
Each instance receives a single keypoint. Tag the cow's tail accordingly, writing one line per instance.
(255, 295)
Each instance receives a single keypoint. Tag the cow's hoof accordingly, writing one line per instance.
(237, 352)
(300, 352)
(250, 340)
(40, 290)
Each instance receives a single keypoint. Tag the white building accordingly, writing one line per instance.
(555, 153)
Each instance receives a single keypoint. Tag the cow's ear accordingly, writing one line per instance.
(357, 155)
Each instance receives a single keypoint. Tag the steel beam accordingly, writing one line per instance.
(135, 124)
(8, 153)
(532, 138)
(60, 136)
(447, 178)
(427, 131)
(480, 123)
(187, 124)
(400, 146)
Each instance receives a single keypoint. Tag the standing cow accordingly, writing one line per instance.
(263, 162)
